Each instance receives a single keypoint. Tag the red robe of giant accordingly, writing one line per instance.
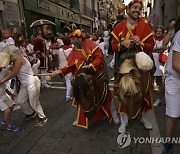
(40, 51)
(74, 61)
(145, 33)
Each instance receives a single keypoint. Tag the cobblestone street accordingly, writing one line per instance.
(59, 136)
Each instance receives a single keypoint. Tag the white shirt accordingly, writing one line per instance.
(2, 45)
(9, 41)
(101, 46)
(26, 75)
(62, 55)
(106, 33)
(36, 66)
(60, 42)
(106, 37)
(30, 48)
(174, 47)
(159, 66)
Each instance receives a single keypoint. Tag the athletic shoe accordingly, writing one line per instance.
(122, 128)
(68, 99)
(45, 85)
(41, 122)
(28, 117)
(14, 128)
(112, 79)
(75, 123)
(157, 102)
(3, 122)
(147, 124)
(167, 148)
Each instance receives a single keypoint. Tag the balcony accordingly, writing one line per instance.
(86, 11)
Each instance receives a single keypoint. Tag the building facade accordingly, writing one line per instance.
(87, 18)
(116, 5)
(57, 11)
(163, 11)
(9, 14)
(84, 13)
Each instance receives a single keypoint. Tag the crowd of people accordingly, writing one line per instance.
(29, 63)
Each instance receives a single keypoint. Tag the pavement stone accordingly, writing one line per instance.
(62, 148)
(35, 152)
(140, 151)
(75, 150)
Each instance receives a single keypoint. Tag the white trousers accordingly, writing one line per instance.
(28, 99)
(172, 96)
(125, 118)
(43, 78)
(44, 71)
(68, 78)
(106, 46)
(112, 61)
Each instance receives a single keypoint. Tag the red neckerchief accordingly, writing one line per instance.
(65, 47)
(159, 38)
(9, 37)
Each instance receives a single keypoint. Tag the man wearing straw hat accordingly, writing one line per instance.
(133, 31)
(41, 46)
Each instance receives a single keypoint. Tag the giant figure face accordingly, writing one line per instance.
(45, 31)
(135, 11)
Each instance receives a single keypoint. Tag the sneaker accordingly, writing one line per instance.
(112, 79)
(157, 102)
(14, 128)
(50, 71)
(167, 148)
(111, 66)
(115, 119)
(16, 107)
(122, 128)
(45, 85)
(147, 124)
(41, 122)
(75, 123)
(27, 117)
(3, 122)
(68, 99)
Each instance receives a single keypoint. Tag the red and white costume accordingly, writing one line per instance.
(75, 60)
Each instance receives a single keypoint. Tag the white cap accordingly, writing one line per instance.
(143, 61)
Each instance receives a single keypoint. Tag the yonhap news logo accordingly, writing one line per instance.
(125, 140)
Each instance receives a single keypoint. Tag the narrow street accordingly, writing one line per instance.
(58, 136)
